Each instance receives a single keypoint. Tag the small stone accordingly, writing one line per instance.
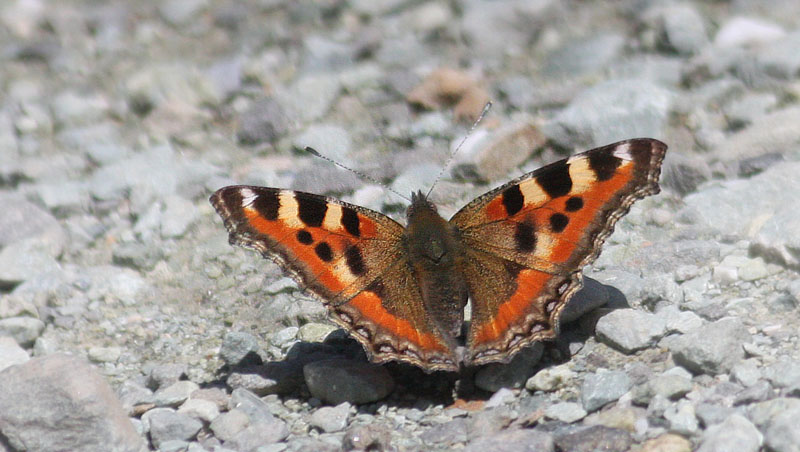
(747, 372)
(11, 353)
(684, 28)
(447, 434)
(240, 349)
(602, 388)
(284, 336)
(668, 442)
(711, 349)
(514, 374)
(741, 31)
(168, 425)
(256, 409)
(568, 412)
(174, 394)
(177, 216)
(630, 330)
(104, 354)
(337, 380)
(503, 396)
(227, 425)
(681, 418)
(164, 375)
(24, 260)
(329, 140)
(24, 330)
(315, 332)
(596, 437)
(735, 433)
(264, 122)
(133, 394)
(373, 437)
(526, 440)
(331, 419)
(258, 434)
(550, 379)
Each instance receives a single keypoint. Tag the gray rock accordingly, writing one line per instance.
(629, 330)
(227, 425)
(22, 219)
(59, 402)
(329, 140)
(783, 432)
(735, 433)
(264, 122)
(256, 409)
(780, 59)
(167, 425)
(11, 353)
(596, 437)
(309, 97)
(258, 434)
(684, 28)
(202, 409)
(367, 437)
(683, 173)
(331, 419)
(336, 381)
(131, 393)
(104, 354)
(174, 394)
(671, 387)
(568, 412)
(769, 134)
(511, 20)
(739, 31)
(711, 349)
(678, 321)
(315, 332)
(154, 172)
(177, 216)
(681, 418)
(763, 413)
(758, 392)
(600, 388)
(583, 56)
(550, 379)
(592, 295)
(784, 373)
(503, 396)
(164, 375)
(24, 330)
(494, 376)
(447, 434)
(180, 12)
(25, 260)
(611, 111)
(748, 108)
(747, 372)
(240, 348)
(526, 440)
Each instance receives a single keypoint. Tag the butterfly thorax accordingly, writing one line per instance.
(436, 255)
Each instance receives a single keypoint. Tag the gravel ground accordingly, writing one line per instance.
(127, 322)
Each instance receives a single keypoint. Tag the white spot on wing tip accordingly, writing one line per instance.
(623, 151)
(248, 197)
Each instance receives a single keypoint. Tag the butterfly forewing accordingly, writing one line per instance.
(527, 241)
(350, 257)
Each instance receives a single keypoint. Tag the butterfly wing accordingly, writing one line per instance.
(527, 241)
(350, 257)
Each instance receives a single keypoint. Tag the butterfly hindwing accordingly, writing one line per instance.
(527, 241)
(348, 256)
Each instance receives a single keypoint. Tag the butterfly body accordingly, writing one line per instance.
(516, 252)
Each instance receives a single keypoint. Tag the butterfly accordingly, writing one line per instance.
(515, 252)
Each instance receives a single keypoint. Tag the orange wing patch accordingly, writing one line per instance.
(547, 225)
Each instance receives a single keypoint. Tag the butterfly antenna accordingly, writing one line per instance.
(485, 110)
(358, 173)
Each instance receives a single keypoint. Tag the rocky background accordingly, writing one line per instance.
(127, 322)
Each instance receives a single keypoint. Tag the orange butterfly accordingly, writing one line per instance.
(516, 252)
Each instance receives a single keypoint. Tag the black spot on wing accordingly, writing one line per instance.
(513, 200)
(525, 237)
(558, 222)
(350, 221)
(266, 204)
(305, 237)
(324, 251)
(354, 260)
(311, 210)
(604, 163)
(555, 180)
(574, 204)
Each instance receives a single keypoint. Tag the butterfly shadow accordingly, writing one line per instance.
(416, 388)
